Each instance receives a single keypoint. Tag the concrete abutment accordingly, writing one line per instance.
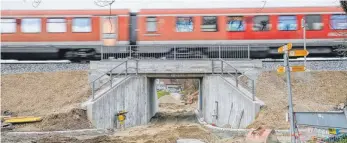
(219, 103)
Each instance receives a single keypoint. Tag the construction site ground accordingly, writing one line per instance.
(311, 91)
(56, 96)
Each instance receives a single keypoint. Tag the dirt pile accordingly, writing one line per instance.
(75, 119)
(312, 91)
(53, 96)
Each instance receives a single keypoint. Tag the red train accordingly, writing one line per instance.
(81, 33)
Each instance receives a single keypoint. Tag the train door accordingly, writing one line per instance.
(109, 30)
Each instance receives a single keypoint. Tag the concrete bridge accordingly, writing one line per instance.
(226, 94)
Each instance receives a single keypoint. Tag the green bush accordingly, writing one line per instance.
(162, 93)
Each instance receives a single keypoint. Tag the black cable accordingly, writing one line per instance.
(104, 3)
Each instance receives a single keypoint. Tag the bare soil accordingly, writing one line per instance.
(55, 96)
(312, 91)
(167, 126)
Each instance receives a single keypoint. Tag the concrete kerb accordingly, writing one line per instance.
(234, 132)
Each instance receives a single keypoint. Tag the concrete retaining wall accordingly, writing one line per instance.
(234, 108)
(133, 95)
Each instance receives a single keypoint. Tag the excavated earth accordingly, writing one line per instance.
(312, 91)
(54, 96)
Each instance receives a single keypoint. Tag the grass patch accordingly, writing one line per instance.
(161, 93)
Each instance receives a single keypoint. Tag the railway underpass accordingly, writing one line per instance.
(226, 92)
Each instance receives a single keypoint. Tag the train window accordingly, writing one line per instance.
(261, 23)
(81, 25)
(209, 23)
(8, 25)
(151, 24)
(338, 21)
(287, 23)
(235, 23)
(313, 22)
(56, 25)
(31, 25)
(184, 24)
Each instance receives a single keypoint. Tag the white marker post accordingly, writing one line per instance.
(303, 24)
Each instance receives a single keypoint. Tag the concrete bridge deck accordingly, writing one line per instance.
(175, 66)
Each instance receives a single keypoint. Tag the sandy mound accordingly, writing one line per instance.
(39, 94)
(312, 91)
(75, 119)
(72, 120)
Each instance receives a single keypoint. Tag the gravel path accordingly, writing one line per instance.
(26, 68)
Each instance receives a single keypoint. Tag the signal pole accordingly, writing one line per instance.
(291, 117)
(286, 68)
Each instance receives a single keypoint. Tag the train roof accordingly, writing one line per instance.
(137, 5)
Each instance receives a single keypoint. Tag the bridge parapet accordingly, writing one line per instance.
(175, 66)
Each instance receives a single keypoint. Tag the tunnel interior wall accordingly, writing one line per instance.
(234, 109)
(133, 95)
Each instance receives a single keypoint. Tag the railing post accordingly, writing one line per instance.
(212, 67)
(249, 52)
(130, 51)
(101, 53)
(174, 52)
(219, 52)
(253, 90)
(126, 67)
(111, 77)
(236, 78)
(93, 88)
(222, 67)
(137, 67)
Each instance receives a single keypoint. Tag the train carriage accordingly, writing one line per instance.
(263, 30)
(61, 34)
(170, 32)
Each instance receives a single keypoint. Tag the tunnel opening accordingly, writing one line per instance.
(177, 100)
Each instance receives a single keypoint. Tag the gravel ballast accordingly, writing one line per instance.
(311, 65)
(27, 68)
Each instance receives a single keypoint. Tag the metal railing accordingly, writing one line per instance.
(173, 52)
(240, 80)
(110, 76)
